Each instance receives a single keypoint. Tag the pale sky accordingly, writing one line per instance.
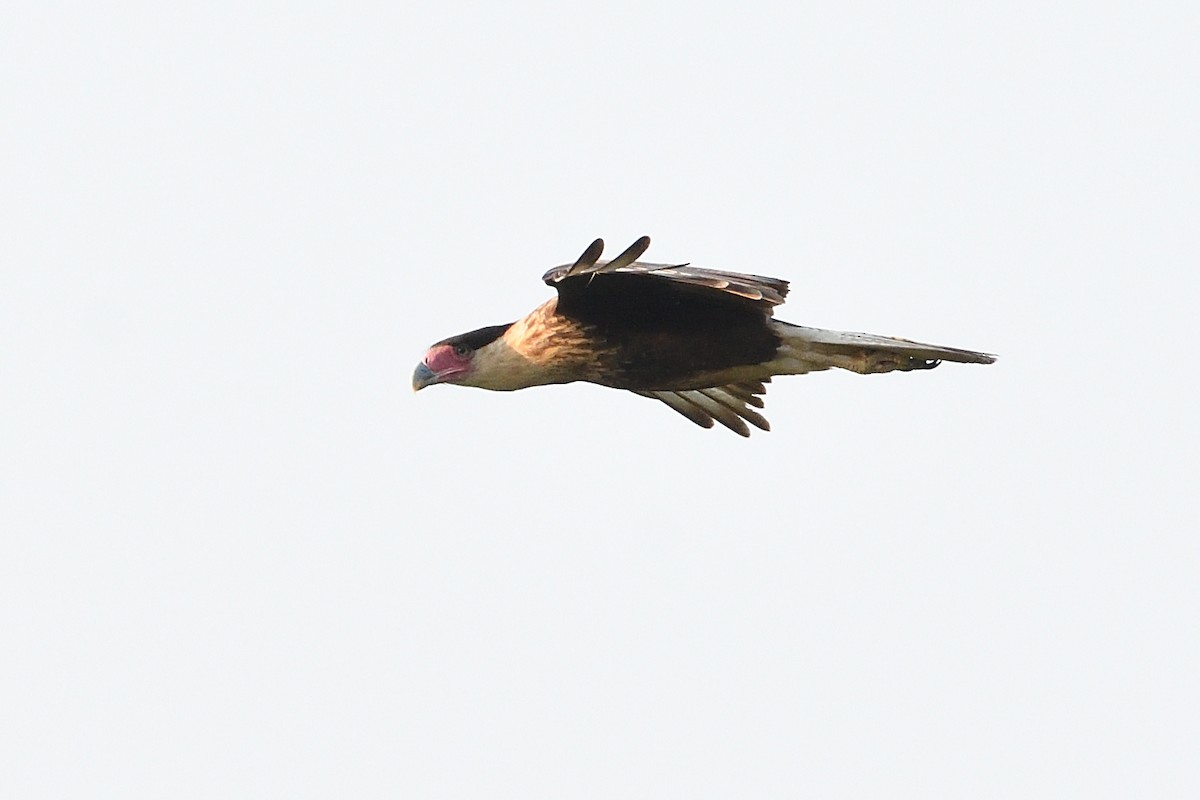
(240, 558)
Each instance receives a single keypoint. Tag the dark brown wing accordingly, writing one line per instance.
(589, 274)
(663, 326)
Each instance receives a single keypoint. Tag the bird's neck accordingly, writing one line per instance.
(541, 348)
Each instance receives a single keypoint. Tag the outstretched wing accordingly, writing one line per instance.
(728, 405)
(625, 274)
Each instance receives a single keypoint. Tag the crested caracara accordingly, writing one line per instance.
(700, 340)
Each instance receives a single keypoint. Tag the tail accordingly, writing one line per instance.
(811, 349)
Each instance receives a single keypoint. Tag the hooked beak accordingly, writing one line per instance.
(423, 376)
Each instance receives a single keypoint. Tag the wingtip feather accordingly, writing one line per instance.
(588, 258)
(631, 254)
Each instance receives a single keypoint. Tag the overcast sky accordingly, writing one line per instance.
(239, 558)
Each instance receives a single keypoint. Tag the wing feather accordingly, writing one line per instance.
(747, 393)
(738, 407)
(728, 405)
(757, 288)
(683, 406)
(630, 255)
(588, 258)
(722, 414)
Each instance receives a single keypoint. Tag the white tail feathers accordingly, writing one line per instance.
(812, 349)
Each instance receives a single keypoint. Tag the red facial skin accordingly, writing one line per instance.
(446, 363)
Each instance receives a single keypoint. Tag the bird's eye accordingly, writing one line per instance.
(461, 350)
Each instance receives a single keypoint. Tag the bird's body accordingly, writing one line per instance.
(702, 341)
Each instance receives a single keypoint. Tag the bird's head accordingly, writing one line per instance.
(461, 359)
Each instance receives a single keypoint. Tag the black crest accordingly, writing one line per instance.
(478, 338)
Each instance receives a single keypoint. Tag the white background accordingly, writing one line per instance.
(240, 558)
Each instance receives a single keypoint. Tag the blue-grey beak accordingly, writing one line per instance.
(423, 376)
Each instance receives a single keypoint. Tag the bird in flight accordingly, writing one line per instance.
(702, 341)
